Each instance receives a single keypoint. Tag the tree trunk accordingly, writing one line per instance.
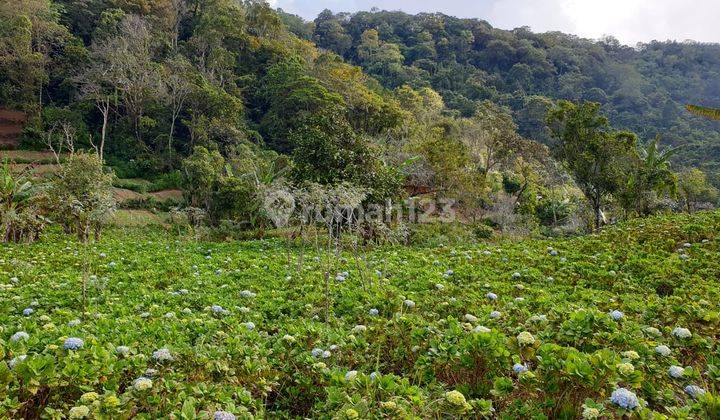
(597, 208)
(105, 112)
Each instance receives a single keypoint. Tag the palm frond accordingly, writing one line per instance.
(712, 113)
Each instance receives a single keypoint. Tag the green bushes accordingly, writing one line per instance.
(80, 198)
(21, 218)
(509, 329)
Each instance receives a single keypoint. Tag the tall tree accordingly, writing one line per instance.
(590, 150)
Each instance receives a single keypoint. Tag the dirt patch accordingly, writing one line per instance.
(17, 117)
(26, 155)
(122, 194)
(33, 168)
(167, 195)
(10, 130)
(137, 218)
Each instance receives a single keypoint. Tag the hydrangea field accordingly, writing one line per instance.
(148, 325)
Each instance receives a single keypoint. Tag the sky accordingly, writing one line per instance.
(630, 21)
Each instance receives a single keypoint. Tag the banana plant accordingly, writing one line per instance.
(14, 189)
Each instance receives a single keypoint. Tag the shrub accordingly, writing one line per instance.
(80, 196)
(20, 218)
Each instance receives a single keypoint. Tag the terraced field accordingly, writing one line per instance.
(147, 324)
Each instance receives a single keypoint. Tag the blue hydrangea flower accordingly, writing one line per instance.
(495, 314)
(374, 312)
(250, 326)
(20, 335)
(122, 350)
(694, 391)
(73, 343)
(162, 355)
(351, 375)
(326, 354)
(223, 415)
(491, 296)
(624, 398)
(28, 311)
(374, 375)
(217, 309)
(317, 352)
(519, 368)
(617, 315)
(73, 323)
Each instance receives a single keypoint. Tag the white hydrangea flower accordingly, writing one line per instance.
(359, 329)
(626, 368)
(681, 333)
(653, 331)
(162, 355)
(631, 354)
(676, 372)
(525, 339)
(663, 350)
(142, 384)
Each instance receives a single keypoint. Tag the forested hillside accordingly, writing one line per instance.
(235, 103)
(642, 89)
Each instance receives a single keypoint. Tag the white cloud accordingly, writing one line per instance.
(630, 21)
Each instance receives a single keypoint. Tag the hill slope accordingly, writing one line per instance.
(642, 89)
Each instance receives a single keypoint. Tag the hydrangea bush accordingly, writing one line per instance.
(514, 331)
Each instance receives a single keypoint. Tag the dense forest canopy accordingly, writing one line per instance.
(230, 99)
(643, 89)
